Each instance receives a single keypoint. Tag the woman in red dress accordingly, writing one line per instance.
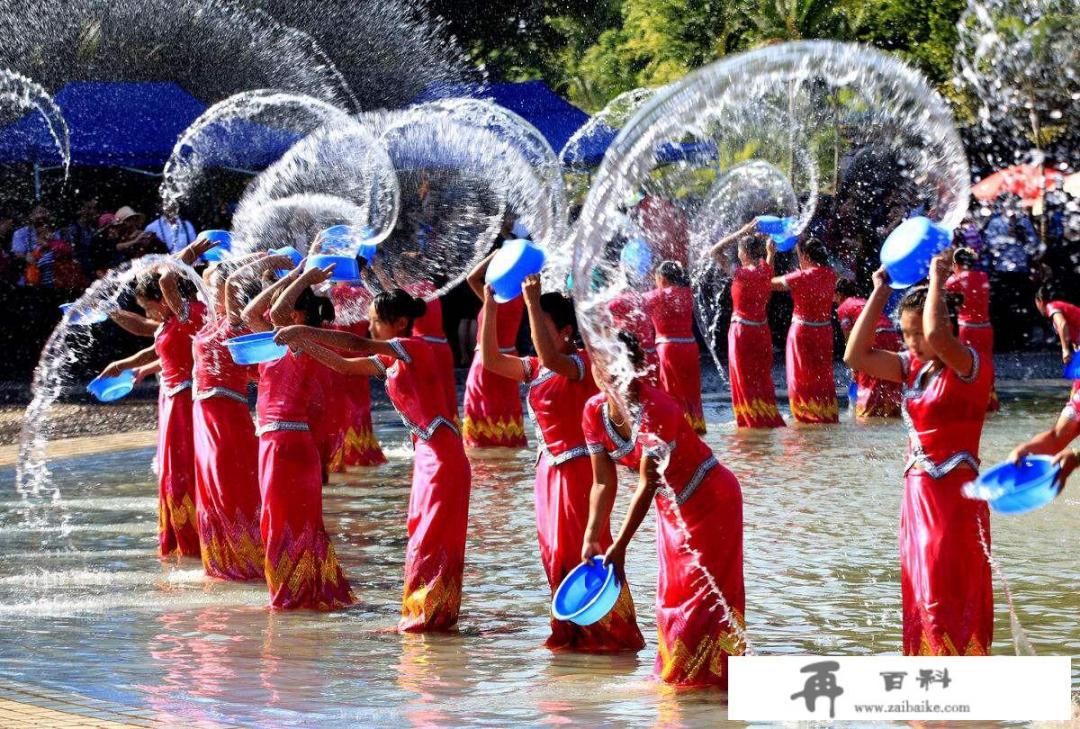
(351, 438)
(875, 398)
(226, 447)
(628, 313)
(302, 569)
(559, 382)
(171, 300)
(1066, 320)
(670, 307)
(1055, 442)
(493, 415)
(442, 479)
(700, 599)
(948, 599)
(429, 327)
(809, 361)
(975, 326)
(750, 349)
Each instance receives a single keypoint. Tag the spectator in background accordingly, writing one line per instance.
(133, 241)
(172, 230)
(27, 238)
(80, 234)
(8, 273)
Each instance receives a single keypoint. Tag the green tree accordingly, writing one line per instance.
(792, 20)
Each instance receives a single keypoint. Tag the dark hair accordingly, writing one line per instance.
(815, 250)
(148, 286)
(753, 245)
(846, 288)
(398, 304)
(914, 299)
(316, 309)
(965, 257)
(1043, 293)
(674, 272)
(633, 349)
(561, 310)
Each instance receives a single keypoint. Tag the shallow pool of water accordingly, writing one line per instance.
(97, 614)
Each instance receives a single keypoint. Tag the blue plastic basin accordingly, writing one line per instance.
(107, 389)
(587, 594)
(907, 252)
(222, 240)
(772, 225)
(83, 318)
(255, 348)
(516, 259)
(294, 255)
(1016, 488)
(1072, 370)
(637, 257)
(345, 267)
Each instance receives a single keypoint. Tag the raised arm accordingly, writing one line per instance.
(1061, 326)
(281, 311)
(344, 365)
(297, 336)
(721, 245)
(133, 323)
(475, 279)
(546, 348)
(254, 314)
(170, 293)
(936, 323)
(140, 358)
(860, 354)
(490, 356)
(191, 252)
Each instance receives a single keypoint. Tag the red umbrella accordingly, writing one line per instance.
(1026, 181)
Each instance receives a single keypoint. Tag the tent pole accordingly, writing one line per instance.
(37, 182)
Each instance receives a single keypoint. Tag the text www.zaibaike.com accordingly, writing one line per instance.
(907, 707)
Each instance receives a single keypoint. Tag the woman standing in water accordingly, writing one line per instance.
(699, 527)
(1066, 320)
(302, 570)
(975, 327)
(874, 398)
(171, 299)
(442, 479)
(809, 361)
(559, 382)
(493, 415)
(948, 600)
(671, 308)
(750, 350)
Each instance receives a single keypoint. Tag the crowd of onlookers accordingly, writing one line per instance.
(40, 249)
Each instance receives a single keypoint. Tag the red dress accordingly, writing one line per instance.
(975, 327)
(809, 361)
(671, 311)
(628, 313)
(562, 488)
(302, 570)
(750, 354)
(429, 327)
(344, 430)
(1071, 312)
(695, 635)
(876, 398)
(948, 598)
(439, 498)
(493, 415)
(177, 516)
(226, 459)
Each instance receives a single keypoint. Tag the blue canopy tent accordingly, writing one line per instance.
(134, 126)
(553, 116)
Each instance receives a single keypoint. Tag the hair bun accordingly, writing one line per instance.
(418, 307)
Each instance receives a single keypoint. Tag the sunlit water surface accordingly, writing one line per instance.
(103, 617)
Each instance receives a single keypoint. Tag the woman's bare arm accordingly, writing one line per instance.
(860, 354)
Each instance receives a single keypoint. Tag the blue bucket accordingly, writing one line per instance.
(337, 231)
(853, 393)
(294, 255)
(83, 318)
(637, 257)
(516, 259)
(907, 252)
(785, 241)
(367, 251)
(346, 269)
(107, 389)
(772, 225)
(587, 594)
(1072, 370)
(1016, 488)
(255, 348)
(222, 240)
